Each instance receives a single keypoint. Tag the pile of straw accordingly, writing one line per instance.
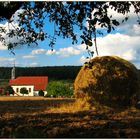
(108, 80)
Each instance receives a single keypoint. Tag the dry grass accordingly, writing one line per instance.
(7, 98)
(77, 106)
(65, 118)
(26, 98)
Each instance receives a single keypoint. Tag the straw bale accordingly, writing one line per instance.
(108, 80)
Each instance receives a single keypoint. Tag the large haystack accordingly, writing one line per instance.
(109, 80)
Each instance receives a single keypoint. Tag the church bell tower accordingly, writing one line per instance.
(13, 72)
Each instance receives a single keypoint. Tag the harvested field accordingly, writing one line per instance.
(31, 117)
(29, 104)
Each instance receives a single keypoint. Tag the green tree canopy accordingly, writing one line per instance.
(41, 93)
(65, 16)
(24, 91)
(59, 88)
(9, 89)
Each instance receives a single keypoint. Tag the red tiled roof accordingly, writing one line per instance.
(39, 82)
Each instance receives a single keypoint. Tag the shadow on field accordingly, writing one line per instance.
(30, 106)
(86, 124)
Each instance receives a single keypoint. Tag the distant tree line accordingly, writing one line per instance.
(53, 72)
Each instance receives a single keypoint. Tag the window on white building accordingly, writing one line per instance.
(17, 90)
(29, 89)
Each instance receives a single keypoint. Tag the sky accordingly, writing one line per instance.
(123, 42)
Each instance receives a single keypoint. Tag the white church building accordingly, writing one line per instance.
(32, 83)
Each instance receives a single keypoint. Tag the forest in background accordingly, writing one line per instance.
(53, 72)
(61, 78)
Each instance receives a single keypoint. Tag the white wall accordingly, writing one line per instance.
(36, 93)
(32, 93)
(45, 93)
(31, 87)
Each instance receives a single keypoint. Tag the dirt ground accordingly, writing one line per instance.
(30, 117)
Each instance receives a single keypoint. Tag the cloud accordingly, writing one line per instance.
(28, 57)
(125, 43)
(120, 17)
(9, 26)
(6, 59)
(38, 51)
(15, 17)
(50, 52)
(2, 47)
(117, 44)
(34, 64)
(81, 47)
(67, 52)
(83, 59)
(62, 52)
(130, 27)
(13, 25)
(121, 45)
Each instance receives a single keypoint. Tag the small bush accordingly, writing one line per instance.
(24, 91)
(9, 90)
(41, 93)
